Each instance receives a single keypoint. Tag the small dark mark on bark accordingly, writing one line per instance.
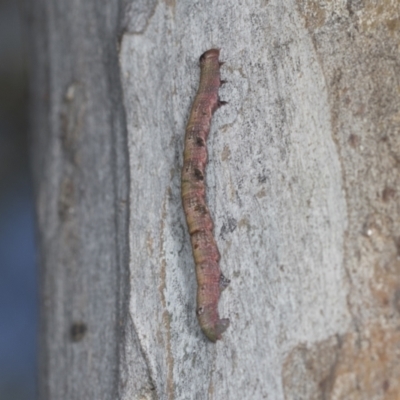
(78, 331)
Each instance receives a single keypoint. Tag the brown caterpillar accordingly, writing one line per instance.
(210, 280)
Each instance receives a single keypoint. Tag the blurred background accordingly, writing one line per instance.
(18, 270)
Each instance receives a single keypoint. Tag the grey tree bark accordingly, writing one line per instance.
(302, 183)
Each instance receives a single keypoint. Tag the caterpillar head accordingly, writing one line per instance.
(208, 55)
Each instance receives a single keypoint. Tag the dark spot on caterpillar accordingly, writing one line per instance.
(201, 209)
(200, 142)
(222, 82)
(77, 331)
(198, 174)
(200, 311)
(221, 63)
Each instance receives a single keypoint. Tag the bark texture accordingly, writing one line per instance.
(81, 178)
(302, 180)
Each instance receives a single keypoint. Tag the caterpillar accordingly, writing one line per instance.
(210, 281)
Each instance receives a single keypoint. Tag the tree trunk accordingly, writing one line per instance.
(302, 184)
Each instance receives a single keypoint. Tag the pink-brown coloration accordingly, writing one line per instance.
(210, 281)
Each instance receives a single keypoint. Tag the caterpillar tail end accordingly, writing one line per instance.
(215, 332)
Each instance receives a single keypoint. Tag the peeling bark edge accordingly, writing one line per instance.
(210, 280)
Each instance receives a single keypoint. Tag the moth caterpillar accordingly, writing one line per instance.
(210, 280)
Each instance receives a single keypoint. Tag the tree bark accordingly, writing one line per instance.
(302, 182)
